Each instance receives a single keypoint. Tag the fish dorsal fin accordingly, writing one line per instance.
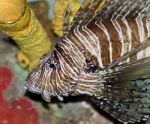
(92, 10)
(87, 12)
(123, 8)
(67, 23)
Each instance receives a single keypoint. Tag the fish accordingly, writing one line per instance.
(105, 54)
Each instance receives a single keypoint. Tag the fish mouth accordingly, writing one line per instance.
(32, 88)
(46, 95)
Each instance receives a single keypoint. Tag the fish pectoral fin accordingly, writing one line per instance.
(122, 91)
(125, 112)
(128, 71)
(118, 76)
(126, 91)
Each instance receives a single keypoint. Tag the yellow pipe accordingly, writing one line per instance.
(19, 22)
(11, 10)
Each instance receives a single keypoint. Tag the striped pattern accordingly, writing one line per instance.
(117, 37)
(88, 47)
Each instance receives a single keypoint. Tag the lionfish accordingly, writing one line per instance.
(104, 53)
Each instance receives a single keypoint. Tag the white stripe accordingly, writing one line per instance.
(140, 28)
(67, 70)
(103, 28)
(67, 52)
(84, 92)
(148, 30)
(59, 82)
(118, 29)
(148, 26)
(141, 35)
(75, 49)
(129, 34)
(64, 86)
(86, 43)
(76, 55)
(95, 43)
(48, 81)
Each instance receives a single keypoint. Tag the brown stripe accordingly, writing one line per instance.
(66, 57)
(125, 35)
(63, 76)
(71, 54)
(93, 59)
(145, 28)
(115, 39)
(61, 52)
(77, 43)
(134, 33)
(64, 86)
(81, 47)
(39, 82)
(56, 57)
(104, 44)
(52, 82)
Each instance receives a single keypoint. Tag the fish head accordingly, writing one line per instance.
(49, 79)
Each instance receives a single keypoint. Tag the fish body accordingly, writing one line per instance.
(103, 53)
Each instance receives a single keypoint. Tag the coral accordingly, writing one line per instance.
(19, 111)
(23, 59)
(5, 79)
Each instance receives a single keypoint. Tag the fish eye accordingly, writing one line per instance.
(53, 66)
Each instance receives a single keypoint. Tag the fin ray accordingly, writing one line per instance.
(87, 12)
(67, 24)
(92, 10)
(128, 85)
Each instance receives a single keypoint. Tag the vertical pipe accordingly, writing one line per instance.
(18, 21)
